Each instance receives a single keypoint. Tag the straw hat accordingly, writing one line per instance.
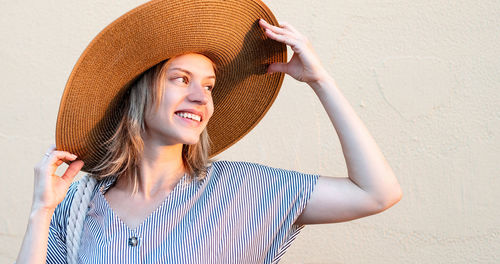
(226, 31)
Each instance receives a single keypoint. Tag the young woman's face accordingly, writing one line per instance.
(186, 104)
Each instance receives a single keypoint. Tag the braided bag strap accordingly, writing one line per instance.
(77, 214)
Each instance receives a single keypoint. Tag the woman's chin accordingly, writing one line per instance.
(190, 141)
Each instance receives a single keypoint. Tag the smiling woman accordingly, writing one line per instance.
(160, 110)
(140, 128)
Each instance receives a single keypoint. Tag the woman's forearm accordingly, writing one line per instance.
(366, 165)
(34, 246)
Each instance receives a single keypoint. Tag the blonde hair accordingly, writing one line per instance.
(125, 147)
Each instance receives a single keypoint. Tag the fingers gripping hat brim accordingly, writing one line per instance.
(226, 31)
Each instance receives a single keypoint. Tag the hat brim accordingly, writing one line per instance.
(226, 31)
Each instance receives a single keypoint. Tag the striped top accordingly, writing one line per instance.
(240, 213)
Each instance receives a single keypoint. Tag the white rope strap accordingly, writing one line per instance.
(77, 214)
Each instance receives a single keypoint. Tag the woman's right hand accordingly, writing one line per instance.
(50, 189)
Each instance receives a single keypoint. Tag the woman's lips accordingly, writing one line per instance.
(187, 121)
(191, 113)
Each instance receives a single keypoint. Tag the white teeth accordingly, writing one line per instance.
(190, 116)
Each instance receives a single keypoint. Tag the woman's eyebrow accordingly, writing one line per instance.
(188, 72)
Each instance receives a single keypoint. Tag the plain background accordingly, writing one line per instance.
(423, 75)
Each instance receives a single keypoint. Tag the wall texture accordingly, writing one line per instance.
(423, 76)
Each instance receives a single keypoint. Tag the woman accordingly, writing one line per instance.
(157, 198)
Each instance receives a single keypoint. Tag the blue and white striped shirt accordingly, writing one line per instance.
(240, 213)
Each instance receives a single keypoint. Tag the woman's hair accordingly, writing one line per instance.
(126, 146)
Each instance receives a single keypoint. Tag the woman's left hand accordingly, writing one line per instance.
(304, 65)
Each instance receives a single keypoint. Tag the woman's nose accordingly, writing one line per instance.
(198, 93)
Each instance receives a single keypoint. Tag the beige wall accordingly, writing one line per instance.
(423, 76)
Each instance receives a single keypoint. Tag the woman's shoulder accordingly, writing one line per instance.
(238, 164)
(246, 166)
(258, 181)
(245, 169)
(62, 211)
(228, 166)
(68, 199)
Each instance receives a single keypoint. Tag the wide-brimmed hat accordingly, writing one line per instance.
(226, 31)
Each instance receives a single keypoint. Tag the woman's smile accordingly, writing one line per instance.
(189, 119)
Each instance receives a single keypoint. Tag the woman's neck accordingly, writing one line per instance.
(161, 169)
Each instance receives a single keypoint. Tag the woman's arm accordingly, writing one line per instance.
(34, 246)
(371, 185)
(49, 191)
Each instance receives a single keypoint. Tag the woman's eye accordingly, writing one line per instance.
(209, 87)
(181, 79)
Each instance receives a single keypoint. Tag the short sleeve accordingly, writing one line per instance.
(274, 199)
(56, 247)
